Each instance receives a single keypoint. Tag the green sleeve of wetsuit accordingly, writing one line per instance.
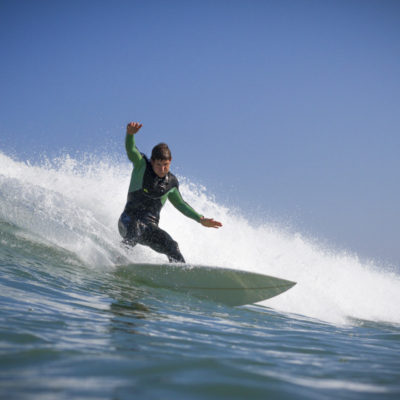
(138, 161)
(176, 199)
(131, 150)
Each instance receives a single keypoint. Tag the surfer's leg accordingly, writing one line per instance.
(161, 242)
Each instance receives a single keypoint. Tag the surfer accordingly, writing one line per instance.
(151, 185)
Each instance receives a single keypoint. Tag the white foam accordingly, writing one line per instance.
(76, 205)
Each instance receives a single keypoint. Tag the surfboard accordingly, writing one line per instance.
(228, 286)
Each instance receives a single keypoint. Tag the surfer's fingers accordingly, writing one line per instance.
(133, 127)
(215, 223)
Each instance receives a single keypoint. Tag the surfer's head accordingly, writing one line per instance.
(161, 152)
(161, 159)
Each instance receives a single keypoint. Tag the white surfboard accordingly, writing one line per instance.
(228, 286)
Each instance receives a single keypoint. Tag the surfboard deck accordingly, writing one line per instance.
(224, 285)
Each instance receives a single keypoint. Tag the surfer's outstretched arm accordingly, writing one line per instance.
(176, 199)
(131, 150)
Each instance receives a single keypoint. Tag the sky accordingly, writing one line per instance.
(288, 110)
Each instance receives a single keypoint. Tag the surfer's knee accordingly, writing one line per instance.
(123, 225)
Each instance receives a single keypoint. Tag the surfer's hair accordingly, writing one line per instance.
(161, 152)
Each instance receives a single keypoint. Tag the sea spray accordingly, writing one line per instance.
(75, 204)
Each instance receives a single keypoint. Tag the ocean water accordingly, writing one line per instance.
(71, 327)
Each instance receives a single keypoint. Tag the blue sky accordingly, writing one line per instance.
(289, 110)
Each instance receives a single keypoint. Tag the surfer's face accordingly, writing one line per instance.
(161, 167)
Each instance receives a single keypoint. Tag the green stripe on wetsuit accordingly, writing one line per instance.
(136, 184)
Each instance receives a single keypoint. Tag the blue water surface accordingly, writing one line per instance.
(72, 331)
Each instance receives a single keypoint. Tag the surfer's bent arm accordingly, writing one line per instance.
(131, 150)
(176, 199)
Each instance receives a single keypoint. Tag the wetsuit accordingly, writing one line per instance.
(146, 196)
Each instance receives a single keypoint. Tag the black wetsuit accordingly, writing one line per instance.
(147, 194)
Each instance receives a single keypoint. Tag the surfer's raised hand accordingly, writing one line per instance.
(133, 127)
(210, 223)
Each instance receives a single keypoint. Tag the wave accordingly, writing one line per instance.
(75, 204)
